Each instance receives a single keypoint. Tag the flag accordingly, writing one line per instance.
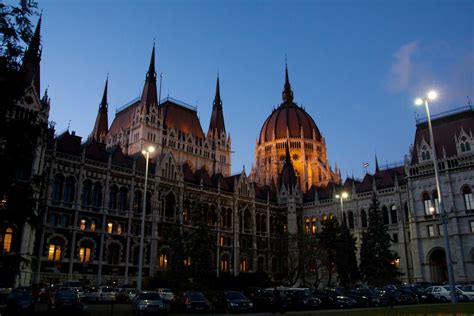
(365, 164)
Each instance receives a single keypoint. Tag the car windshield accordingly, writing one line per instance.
(195, 295)
(67, 295)
(168, 291)
(20, 295)
(107, 289)
(465, 288)
(149, 296)
(234, 296)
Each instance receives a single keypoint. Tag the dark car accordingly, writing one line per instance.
(19, 302)
(332, 299)
(148, 303)
(65, 301)
(195, 302)
(302, 299)
(397, 297)
(232, 301)
(362, 300)
(262, 300)
(418, 294)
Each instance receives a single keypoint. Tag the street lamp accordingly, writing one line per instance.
(341, 197)
(145, 152)
(432, 95)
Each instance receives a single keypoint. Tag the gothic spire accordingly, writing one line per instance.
(377, 169)
(287, 94)
(32, 58)
(217, 117)
(101, 127)
(149, 96)
(288, 175)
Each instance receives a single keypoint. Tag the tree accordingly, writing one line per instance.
(328, 241)
(345, 260)
(376, 259)
(200, 245)
(177, 271)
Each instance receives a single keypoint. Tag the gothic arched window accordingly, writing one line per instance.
(393, 214)
(385, 215)
(113, 193)
(351, 220)
(429, 210)
(123, 199)
(58, 183)
(363, 218)
(69, 190)
(467, 195)
(97, 195)
(86, 198)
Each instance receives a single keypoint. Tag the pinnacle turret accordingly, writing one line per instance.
(32, 58)
(287, 93)
(217, 117)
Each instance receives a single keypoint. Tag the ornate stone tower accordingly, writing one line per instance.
(290, 125)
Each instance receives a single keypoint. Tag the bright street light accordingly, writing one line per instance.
(432, 95)
(145, 152)
(341, 197)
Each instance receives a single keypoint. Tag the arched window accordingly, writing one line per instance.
(148, 202)
(351, 220)
(363, 218)
(437, 207)
(244, 264)
(113, 194)
(164, 259)
(247, 220)
(467, 195)
(257, 221)
(229, 218)
(55, 249)
(123, 199)
(170, 205)
(307, 223)
(385, 215)
(137, 202)
(425, 153)
(263, 224)
(85, 251)
(212, 216)
(427, 203)
(186, 211)
(393, 214)
(86, 198)
(224, 264)
(58, 183)
(260, 264)
(7, 239)
(465, 145)
(407, 214)
(69, 188)
(97, 195)
(113, 254)
(314, 228)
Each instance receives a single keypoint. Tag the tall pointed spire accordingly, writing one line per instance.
(217, 125)
(288, 174)
(101, 126)
(32, 58)
(287, 94)
(149, 96)
(377, 169)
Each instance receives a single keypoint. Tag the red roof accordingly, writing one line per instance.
(181, 118)
(123, 118)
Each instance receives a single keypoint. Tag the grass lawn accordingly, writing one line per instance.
(460, 309)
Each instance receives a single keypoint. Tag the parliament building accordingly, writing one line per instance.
(92, 195)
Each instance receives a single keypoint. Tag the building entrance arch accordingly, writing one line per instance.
(438, 267)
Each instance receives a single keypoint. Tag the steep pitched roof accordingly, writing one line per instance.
(182, 118)
(123, 118)
(69, 144)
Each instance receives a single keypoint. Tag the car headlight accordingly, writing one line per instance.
(251, 304)
(141, 306)
(234, 304)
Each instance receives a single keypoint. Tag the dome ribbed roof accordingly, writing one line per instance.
(291, 117)
(288, 117)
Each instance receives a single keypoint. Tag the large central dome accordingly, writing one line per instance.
(288, 120)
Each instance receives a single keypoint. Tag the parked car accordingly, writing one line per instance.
(466, 293)
(439, 293)
(232, 301)
(125, 294)
(195, 302)
(302, 299)
(331, 299)
(262, 300)
(19, 302)
(103, 293)
(148, 302)
(166, 294)
(65, 301)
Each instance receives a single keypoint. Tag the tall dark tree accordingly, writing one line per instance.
(177, 272)
(376, 259)
(345, 260)
(328, 238)
(200, 245)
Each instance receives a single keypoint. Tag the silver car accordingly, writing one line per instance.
(147, 302)
(166, 294)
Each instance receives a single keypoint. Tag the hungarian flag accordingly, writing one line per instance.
(365, 164)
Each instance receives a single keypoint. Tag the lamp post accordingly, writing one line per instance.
(432, 95)
(341, 197)
(145, 152)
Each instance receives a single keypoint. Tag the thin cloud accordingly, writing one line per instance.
(402, 67)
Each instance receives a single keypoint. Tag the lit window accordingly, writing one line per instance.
(244, 264)
(110, 227)
(396, 262)
(427, 204)
(313, 225)
(7, 240)
(187, 262)
(437, 207)
(285, 228)
(93, 225)
(85, 254)
(221, 241)
(306, 225)
(82, 226)
(431, 232)
(224, 264)
(164, 260)
(54, 252)
(468, 200)
(472, 226)
(119, 229)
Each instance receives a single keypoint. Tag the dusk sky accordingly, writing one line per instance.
(356, 66)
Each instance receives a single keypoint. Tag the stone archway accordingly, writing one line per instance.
(438, 267)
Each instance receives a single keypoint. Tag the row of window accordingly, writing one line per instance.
(431, 202)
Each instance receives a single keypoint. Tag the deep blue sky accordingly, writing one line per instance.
(356, 66)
